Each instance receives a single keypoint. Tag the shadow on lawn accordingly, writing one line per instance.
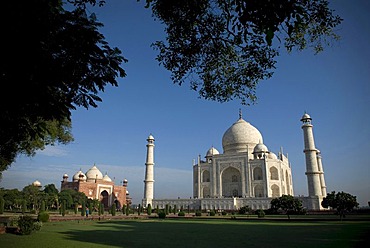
(227, 234)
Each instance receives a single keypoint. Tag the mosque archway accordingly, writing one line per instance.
(275, 191)
(258, 191)
(205, 176)
(257, 173)
(105, 198)
(231, 182)
(274, 174)
(206, 192)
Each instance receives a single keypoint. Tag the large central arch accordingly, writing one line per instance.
(231, 182)
(104, 196)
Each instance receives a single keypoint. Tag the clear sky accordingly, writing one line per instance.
(333, 87)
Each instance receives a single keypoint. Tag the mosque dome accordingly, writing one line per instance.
(260, 148)
(94, 173)
(79, 174)
(240, 136)
(107, 178)
(306, 118)
(36, 183)
(272, 155)
(212, 151)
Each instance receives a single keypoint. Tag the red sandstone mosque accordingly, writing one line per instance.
(97, 186)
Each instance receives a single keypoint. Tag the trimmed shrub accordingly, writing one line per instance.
(161, 215)
(149, 210)
(198, 213)
(42, 207)
(181, 213)
(24, 206)
(37, 226)
(43, 216)
(26, 224)
(212, 213)
(167, 209)
(260, 213)
(174, 209)
(244, 210)
(75, 209)
(2, 203)
(224, 213)
(113, 209)
(83, 209)
(139, 209)
(63, 209)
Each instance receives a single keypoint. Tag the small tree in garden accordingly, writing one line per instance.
(99, 210)
(139, 210)
(90, 206)
(2, 203)
(149, 209)
(288, 204)
(174, 209)
(75, 208)
(342, 202)
(26, 225)
(102, 208)
(124, 209)
(42, 207)
(113, 209)
(260, 213)
(63, 209)
(83, 209)
(166, 209)
(127, 210)
(24, 206)
(244, 210)
(157, 209)
(43, 216)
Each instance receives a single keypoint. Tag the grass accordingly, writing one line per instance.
(194, 233)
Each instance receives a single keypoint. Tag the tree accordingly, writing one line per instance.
(33, 195)
(223, 48)
(2, 204)
(244, 210)
(342, 202)
(63, 208)
(50, 189)
(149, 209)
(288, 204)
(63, 65)
(83, 208)
(113, 209)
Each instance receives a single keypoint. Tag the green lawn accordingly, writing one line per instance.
(194, 233)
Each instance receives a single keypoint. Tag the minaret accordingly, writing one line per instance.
(149, 173)
(310, 151)
(322, 179)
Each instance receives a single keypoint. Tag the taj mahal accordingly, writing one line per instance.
(246, 173)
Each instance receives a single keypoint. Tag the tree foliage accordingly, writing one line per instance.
(223, 48)
(342, 202)
(288, 204)
(63, 64)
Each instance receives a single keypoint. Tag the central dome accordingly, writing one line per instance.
(240, 137)
(94, 173)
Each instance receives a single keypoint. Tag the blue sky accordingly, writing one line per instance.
(333, 87)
